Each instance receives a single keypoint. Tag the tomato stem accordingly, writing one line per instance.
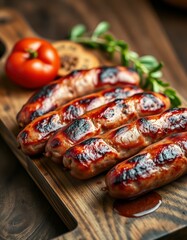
(32, 53)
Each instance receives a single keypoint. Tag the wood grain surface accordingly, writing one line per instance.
(20, 201)
(174, 22)
(83, 206)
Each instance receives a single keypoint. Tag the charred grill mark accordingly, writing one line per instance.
(72, 112)
(119, 132)
(119, 102)
(174, 110)
(109, 113)
(111, 109)
(56, 142)
(125, 108)
(89, 142)
(178, 120)
(137, 159)
(108, 75)
(36, 114)
(40, 112)
(122, 93)
(78, 129)
(48, 124)
(23, 135)
(141, 167)
(149, 102)
(94, 149)
(86, 101)
(113, 93)
(45, 92)
(183, 144)
(168, 153)
(146, 127)
(169, 122)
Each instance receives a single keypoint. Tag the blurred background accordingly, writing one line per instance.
(54, 19)
(24, 211)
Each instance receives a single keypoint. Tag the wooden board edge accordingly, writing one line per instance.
(39, 179)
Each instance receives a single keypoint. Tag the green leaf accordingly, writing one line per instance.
(111, 50)
(163, 84)
(133, 55)
(170, 91)
(174, 99)
(124, 58)
(122, 44)
(156, 86)
(146, 83)
(91, 44)
(101, 28)
(77, 31)
(141, 66)
(108, 37)
(148, 61)
(148, 67)
(156, 68)
(157, 74)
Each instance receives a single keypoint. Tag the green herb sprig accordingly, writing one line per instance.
(148, 67)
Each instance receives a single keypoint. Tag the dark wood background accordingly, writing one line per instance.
(24, 212)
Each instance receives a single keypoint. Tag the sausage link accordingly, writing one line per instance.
(33, 137)
(155, 166)
(106, 117)
(98, 154)
(76, 84)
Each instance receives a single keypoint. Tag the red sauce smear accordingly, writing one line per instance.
(138, 207)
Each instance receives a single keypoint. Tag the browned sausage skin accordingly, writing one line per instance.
(76, 84)
(98, 154)
(33, 137)
(157, 165)
(106, 117)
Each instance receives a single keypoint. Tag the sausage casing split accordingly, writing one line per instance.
(76, 84)
(155, 166)
(106, 117)
(33, 137)
(98, 154)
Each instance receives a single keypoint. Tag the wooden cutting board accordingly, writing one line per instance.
(85, 208)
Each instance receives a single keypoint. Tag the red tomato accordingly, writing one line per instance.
(32, 63)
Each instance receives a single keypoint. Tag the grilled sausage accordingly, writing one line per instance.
(106, 117)
(76, 84)
(33, 137)
(98, 154)
(155, 166)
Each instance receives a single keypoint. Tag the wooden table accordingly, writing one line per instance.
(20, 198)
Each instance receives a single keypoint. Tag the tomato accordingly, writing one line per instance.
(32, 63)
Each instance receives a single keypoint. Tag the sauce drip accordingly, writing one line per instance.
(138, 207)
